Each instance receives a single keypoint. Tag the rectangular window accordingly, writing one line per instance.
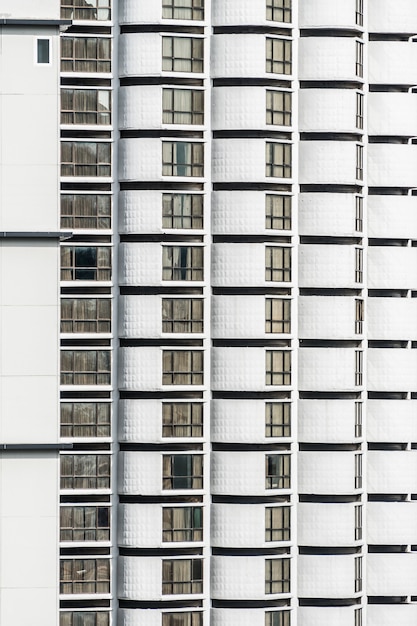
(182, 106)
(182, 523)
(182, 210)
(86, 54)
(277, 264)
(182, 419)
(278, 108)
(278, 56)
(278, 367)
(182, 158)
(277, 419)
(85, 576)
(277, 618)
(277, 523)
(278, 160)
(85, 158)
(43, 56)
(85, 315)
(91, 10)
(182, 315)
(80, 263)
(182, 471)
(81, 618)
(277, 315)
(359, 309)
(85, 523)
(85, 471)
(182, 576)
(358, 574)
(358, 419)
(358, 617)
(183, 10)
(359, 214)
(358, 368)
(358, 471)
(182, 367)
(85, 211)
(278, 11)
(182, 619)
(359, 162)
(358, 265)
(85, 419)
(182, 54)
(85, 106)
(359, 19)
(278, 212)
(358, 522)
(277, 471)
(182, 263)
(277, 576)
(359, 59)
(359, 110)
(85, 367)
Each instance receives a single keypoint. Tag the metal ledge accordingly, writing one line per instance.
(5, 21)
(35, 446)
(7, 234)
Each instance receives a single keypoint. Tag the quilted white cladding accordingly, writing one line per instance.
(140, 420)
(326, 421)
(386, 16)
(391, 523)
(392, 318)
(327, 162)
(392, 268)
(326, 576)
(140, 473)
(326, 317)
(140, 159)
(239, 55)
(392, 114)
(140, 211)
(139, 617)
(238, 264)
(391, 574)
(327, 58)
(140, 525)
(140, 316)
(238, 212)
(392, 62)
(331, 214)
(238, 316)
(238, 421)
(239, 473)
(237, 617)
(326, 472)
(239, 160)
(392, 471)
(140, 264)
(327, 13)
(238, 578)
(238, 369)
(238, 108)
(140, 368)
(317, 110)
(392, 216)
(327, 266)
(235, 12)
(387, 615)
(238, 525)
(392, 369)
(326, 369)
(135, 111)
(326, 524)
(391, 420)
(325, 616)
(131, 11)
(140, 54)
(140, 578)
(391, 165)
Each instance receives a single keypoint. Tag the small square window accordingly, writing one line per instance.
(277, 618)
(277, 419)
(277, 315)
(182, 523)
(182, 419)
(277, 471)
(277, 523)
(278, 367)
(277, 212)
(277, 264)
(278, 10)
(43, 55)
(277, 576)
(278, 160)
(182, 471)
(278, 108)
(278, 56)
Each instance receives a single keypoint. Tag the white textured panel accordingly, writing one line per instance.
(238, 108)
(140, 263)
(140, 420)
(238, 473)
(139, 617)
(392, 114)
(326, 472)
(140, 368)
(238, 55)
(140, 54)
(326, 214)
(238, 420)
(327, 13)
(327, 58)
(392, 369)
(238, 316)
(391, 574)
(326, 266)
(326, 524)
(140, 159)
(325, 616)
(389, 615)
(392, 216)
(140, 472)
(238, 12)
(391, 471)
(392, 268)
(238, 212)
(391, 165)
(317, 110)
(392, 318)
(237, 617)
(392, 62)
(238, 264)
(391, 523)
(140, 525)
(326, 369)
(135, 111)
(325, 576)
(26, 9)
(140, 316)
(140, 578)
(238, 578)
(140, 211)
(131, 11)
(327, 162)
(238, 160)
(238, 369)
(238, 525)
(386, 17)
(326, 317)
(331, 421)
(391, 420)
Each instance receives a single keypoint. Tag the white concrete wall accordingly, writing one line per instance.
(322, 576)
(327, 162)
(326, 421)
(326, 266)
(331, 214)
(391, 472)
(386, 17)
(321, 524)
(317, 111)
(392, 216)
(326, 13)
(327, 58)
(326, 472)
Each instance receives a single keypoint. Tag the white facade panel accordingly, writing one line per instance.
(386, 17)
(230, 577)
(392, 216)
(140, 54)
(238, 108)
(140, 316)
(391, 523)
(140, 159)
(237, 617)
(386, 615)
(26, 9)
(139, 617)
(240, 212)
(331, 214)
(140, 368)
(327, 58)
(140, 211)
(392, 114)
(391, 369)
(236, 55)
(326, 369)
(392, 268)
(326, 317)
(132, 12)
(392, 165)
(392, 318)
(238, 264)
(391, 420)
(238, 316)
(392, 62)
(238, 421)
(326, 472)
(239, 160)
(322, 576)
(238, 369)
(391, 472)
(238, 12)
(391, 574)
(325, 616)
(140, 420)
(239, 473)
(326, 421)
(327, 162)
(317, 111)
(238, 525)
(140, 264)
(140, 473)
(139, 525)
(325, 13)
(135, 111)
(326, 266)
(140, 578)
(325, 524)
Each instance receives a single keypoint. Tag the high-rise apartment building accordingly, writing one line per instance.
(230, 435)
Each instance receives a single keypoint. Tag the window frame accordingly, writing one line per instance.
(96, 427)
(171, 62)
(79, 153)
(278, 261)
(182, 315)
(94, 532)
(75, 111)
(278, 367)
(278, 618)
(276, 110)
(278, 159)
(280, 427)
(172, 581)
(182, 263)
(278, 212)
(174, 360)
(79, 566)
(73, 322)
(278, 471)
(38, 51)
(277, 523)
(169, 5)
(278, 316)
(102, 618)
(276, 63)
(174, 464)
(70, 11)
(190, 618)
(193, 424)
(277, 576)
(96, 217)
(194, 110)
(183, 159)
(80, 466)
(80, 64)
(282, 7)
(188, 208)
(76, 357)
(190, 531)
(94, 265)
